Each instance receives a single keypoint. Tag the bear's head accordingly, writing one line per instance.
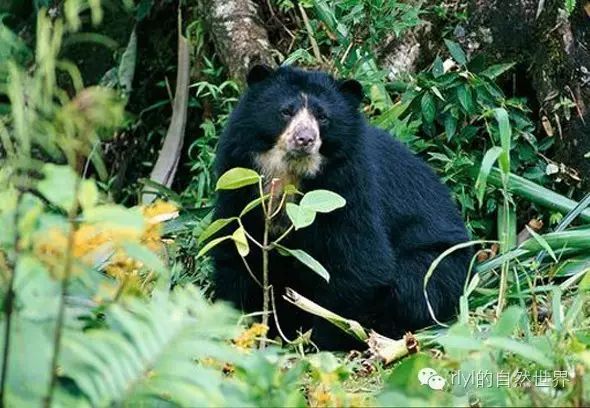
(294, 122)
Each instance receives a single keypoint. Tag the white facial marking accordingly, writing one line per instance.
(281, 162)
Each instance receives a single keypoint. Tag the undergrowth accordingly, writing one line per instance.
(104, 304)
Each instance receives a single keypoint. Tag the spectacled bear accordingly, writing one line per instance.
(306, 128)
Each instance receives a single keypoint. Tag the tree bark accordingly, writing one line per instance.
(238, 34)
(553, 50)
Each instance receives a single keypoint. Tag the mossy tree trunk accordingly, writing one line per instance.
(239, 36)
(552, 50)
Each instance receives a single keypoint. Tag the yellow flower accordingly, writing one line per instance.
(247, 339)
(94, 244)
(321, 396)
(155, 214)
(159, 211)
(51, 248)
(88, 238)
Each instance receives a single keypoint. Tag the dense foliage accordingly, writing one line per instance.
(105, 298)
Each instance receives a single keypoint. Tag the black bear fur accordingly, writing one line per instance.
(398, 218)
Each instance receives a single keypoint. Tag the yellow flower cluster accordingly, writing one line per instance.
(93, 244)
(155, 214)
(247, 339)
(321, 396)
(328, 390)
(226, 368)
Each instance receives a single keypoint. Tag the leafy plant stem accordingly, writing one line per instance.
(505, 265)
(250, 237)
(276, 316)
(250, 271)
(265, 249)
(279, 239)
(261, 191)
(69, 258)
(280, 206)
(314, 45)
(265, 280)
(8, 306)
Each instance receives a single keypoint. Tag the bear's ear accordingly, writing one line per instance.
(258, 73)
(352, 88)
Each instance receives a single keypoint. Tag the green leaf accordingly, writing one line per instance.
(557, 308)
(508, 321)
(456, 52)
(505, 138)
(307, 260)
(253, 204)
(450, 126)
(438, 94)
(322, 201)
(570, 6)
(59, 185)
(428, 107)
(438, 67)
(542, 242)
(160, 190)
(148, 349)
(496, 70)
(486, 166)
(300, 216)
(236, 178)
(126, 70)
(211, 244)
(239, 238)
(465, 98)
(536, 193)
(30, 346)
(87, 194)
(214, 227)
(459, 342)
(327, 16)
(114, 216)
(522, 349)
(290, 189)
(144, 255)
(507, 234)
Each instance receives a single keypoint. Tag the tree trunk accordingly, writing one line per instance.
(552, 49)
(238, 34)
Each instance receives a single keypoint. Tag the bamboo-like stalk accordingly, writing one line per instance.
(504, 245)
(537, 194)
(383, 348)
(351, 327)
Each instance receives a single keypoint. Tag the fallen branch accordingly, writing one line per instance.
(388, 350)
(380, 347)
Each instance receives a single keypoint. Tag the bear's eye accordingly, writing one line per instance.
(286, 113)
(322, 118)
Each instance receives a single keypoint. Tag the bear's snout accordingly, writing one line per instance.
(303, 139)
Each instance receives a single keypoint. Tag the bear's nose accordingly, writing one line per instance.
(304, 137)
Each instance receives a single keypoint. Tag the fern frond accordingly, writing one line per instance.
(149, 352)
